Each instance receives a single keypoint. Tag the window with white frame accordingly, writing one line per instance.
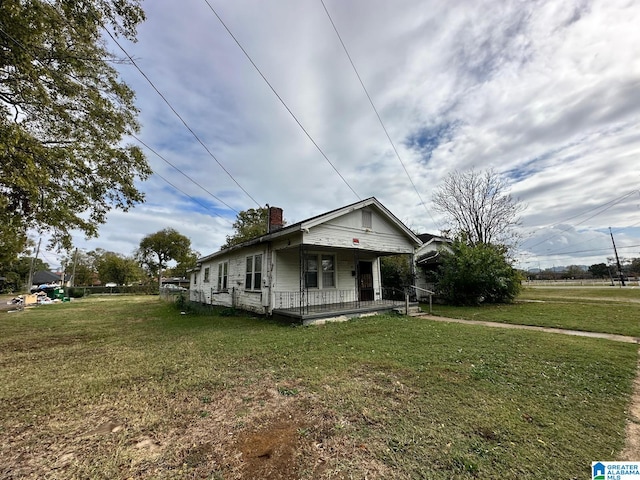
(253, 274)
(328, 271)
(223, 269)
(319, 271)
(206, 275)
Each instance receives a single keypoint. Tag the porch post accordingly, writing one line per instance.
(356, 266)
(301, 270)
(412, 269)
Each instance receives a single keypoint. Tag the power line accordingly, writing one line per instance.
(133, 62)
(185, 175)
(193, 198)
(616, 230)
(586, 251)
(17, 42)
(376, 111)
(613, 202)
(281, 100)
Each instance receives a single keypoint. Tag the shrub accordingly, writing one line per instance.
(75, 292)
(474, 274)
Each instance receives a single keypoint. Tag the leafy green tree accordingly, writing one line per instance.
(249, 224)
(83, 268)
(113, 267)
(396, 271)
(157, 249)
(634, 267)
(574, 271)
(599, 270)
(475, 274)
(64, 113)
(13, 240)
(17, 272)
(184, 265)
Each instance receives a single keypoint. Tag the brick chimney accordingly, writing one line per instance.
(275, 219)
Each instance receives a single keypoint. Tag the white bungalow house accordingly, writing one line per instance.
(325, 266)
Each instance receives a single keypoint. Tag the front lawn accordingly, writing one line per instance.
(128, 387)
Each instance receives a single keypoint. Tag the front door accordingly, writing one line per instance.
(365, 281)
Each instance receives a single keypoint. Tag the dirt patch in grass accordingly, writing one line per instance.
(44, 343)
(257, 431)
(270, 451)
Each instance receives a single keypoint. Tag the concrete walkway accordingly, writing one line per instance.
(578, 333)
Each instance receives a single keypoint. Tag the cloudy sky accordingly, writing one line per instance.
(545, 92)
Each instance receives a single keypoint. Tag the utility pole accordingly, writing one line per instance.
(73, 273)
(33, 261)
(617, 259)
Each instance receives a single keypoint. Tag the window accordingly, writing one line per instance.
(311, 271)
(253, 276)
(312, 277)
(328, 271)
(248, 277)
(366, 219)
(223, 269)
(206, 275)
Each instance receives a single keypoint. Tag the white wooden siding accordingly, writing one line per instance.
(287, 270)
(345, 266)
(235, 295)
(341, 232)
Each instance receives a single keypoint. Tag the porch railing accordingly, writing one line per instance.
(309, 301)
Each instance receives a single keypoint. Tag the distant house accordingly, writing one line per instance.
(325, 266)
(43, 277)
(427, 259)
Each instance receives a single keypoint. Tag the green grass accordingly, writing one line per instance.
(382, 397)
(582, 294)
(605, 309)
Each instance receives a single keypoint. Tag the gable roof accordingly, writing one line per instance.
(426, 255)
(430, 237)
(368, 202)
(320, 219)
(43, 276)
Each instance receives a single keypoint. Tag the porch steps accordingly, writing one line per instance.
(414, 310)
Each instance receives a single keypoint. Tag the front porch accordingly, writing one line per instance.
(319, 306)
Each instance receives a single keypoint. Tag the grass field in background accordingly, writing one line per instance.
(128, 387)
(591, 309)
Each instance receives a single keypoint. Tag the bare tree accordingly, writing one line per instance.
(478, 207)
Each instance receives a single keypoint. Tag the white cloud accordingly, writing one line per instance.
(545, 91)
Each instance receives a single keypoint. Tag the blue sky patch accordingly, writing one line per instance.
(427, 139)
